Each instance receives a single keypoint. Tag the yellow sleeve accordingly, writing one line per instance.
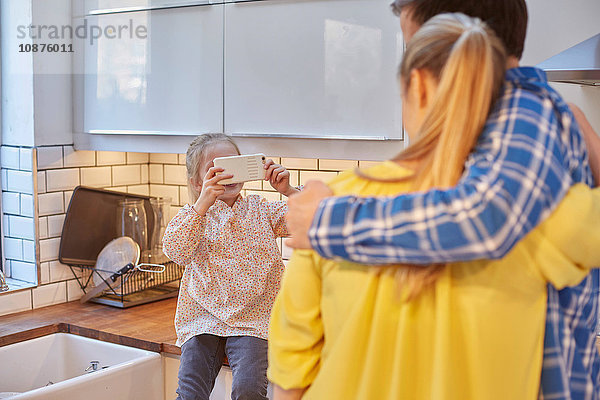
(570, 243)
(296, 329)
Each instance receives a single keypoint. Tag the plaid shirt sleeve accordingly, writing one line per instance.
(520, 169)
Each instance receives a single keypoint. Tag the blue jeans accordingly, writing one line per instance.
(202, 357)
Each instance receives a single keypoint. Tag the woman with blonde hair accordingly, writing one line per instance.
(341, 330)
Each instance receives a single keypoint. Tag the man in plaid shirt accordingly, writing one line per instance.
(529, 154)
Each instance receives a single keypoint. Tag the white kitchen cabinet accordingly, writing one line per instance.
(312, 69)
(296, 78)
(166, 81)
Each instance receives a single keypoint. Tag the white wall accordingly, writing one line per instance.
(555, 25)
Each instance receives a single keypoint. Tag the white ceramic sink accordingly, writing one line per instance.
(53, 367)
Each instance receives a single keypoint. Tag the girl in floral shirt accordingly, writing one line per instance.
(233, 269)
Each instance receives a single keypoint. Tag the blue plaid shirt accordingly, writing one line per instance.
(529, 154)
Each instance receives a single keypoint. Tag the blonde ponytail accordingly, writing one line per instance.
(469, 63)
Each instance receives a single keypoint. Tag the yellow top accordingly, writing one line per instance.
(477, 333)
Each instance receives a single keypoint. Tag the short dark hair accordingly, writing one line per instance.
(507, 18)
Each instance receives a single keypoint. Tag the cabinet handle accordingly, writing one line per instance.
(297, 136)
(243, 134)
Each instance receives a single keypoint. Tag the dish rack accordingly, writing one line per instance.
(135, 287)
(89, 225)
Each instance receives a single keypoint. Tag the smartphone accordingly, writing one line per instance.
(244, 168)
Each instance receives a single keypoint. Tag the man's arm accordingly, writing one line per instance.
(517, 174)
(592, 140)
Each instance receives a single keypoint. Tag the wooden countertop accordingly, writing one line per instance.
(148, 326)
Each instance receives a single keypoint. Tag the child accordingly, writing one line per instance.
(233, 270)
(473, 330)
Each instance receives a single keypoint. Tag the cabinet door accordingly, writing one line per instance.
(167, 82)
(312, 68)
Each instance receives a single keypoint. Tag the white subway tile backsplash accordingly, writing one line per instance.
(299, 163)
(26, 205)
(337, 165)
(156, 173)
(50, 203)
(49, 157)
(145, 173)
(173, 211)
(160, 158)
(20, 181)
(96, 176)
(68, 194)
(368, 164)
(271, 196)
(49, 249)
(29, 251)
(62, 179)
(143, 190)
(55, 225)
(165, 191)
(79, 158)
(23, 271)
(4, 179)
(59, 272)
(15, 302)
(110, 158)
(138, 173)
(13, 248)
(126, 175)
(5, 225)
(254, 185)
(26, 159)
(137, 158)
(41, 181)
(294, 178)
(44, 273)
(175, 174)
(43, 227)
(21, 227)
(46, 295)
(121, 189)
(11, 203)
(9, 157)
(74, 291)
(184, 197)
(316, 175)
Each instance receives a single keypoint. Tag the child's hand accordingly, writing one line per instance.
(279, 178)
(211, 189)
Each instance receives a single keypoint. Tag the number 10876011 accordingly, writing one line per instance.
(45, 48)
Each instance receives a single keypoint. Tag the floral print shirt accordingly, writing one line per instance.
(233, 266)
